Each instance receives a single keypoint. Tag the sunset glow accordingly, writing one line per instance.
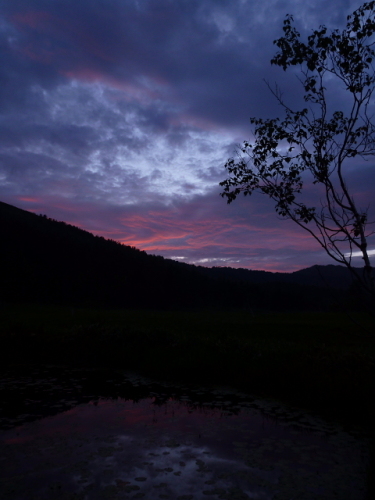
(119, 117)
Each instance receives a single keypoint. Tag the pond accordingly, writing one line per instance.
(86, 434)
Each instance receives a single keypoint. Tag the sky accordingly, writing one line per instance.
(117, 116)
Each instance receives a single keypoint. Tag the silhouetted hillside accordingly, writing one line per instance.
(43, 260)
(336, 277)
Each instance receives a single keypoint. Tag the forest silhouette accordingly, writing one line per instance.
(46, 261)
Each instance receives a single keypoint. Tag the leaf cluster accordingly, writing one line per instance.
(348, 54)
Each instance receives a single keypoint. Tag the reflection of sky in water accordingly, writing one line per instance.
(114, 449)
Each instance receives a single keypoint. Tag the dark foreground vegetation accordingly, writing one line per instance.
(313, 360)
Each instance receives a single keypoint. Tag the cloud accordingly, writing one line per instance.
(119, 116)
(359, 254)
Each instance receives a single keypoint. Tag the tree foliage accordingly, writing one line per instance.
(311, 146)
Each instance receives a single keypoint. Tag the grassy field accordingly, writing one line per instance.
(320, 361)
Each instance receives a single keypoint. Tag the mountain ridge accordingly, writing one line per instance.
(44, 260)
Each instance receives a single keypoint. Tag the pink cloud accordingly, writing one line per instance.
(38, 54)
(130, 91)
(84, 60)
(168, 230)
(30, 199)
(33, 19)
(58, 28)
(202, 231)
(194, 121)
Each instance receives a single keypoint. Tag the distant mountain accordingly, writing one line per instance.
(330, 276)
(43, 260)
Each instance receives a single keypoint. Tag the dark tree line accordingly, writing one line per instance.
(52, 262)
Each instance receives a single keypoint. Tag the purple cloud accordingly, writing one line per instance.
(119, 116)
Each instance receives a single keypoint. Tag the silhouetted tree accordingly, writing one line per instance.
(312, 145)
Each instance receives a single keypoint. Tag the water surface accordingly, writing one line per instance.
(98, 435)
